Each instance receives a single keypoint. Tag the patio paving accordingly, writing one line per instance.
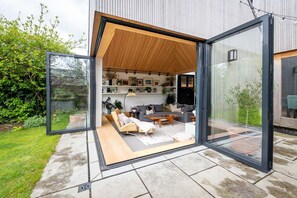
(194, 172)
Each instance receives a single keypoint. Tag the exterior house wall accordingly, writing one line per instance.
(202, 18)
(278, 119)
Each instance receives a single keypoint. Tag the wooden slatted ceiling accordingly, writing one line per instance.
(133, 49)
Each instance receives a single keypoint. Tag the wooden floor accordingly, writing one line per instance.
(116, 150)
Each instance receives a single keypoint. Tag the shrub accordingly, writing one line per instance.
(35, 121)
(23, 48)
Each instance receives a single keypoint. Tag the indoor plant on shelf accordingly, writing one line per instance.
(108, 105)
(170, 79)
(118, 104)
(110, 75)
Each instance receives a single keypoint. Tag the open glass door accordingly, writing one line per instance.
(237, 100)
(70, 95)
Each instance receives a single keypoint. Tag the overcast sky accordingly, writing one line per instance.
(73, 14)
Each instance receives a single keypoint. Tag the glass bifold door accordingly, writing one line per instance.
(69, 93)
(236, 82)
(235, 75)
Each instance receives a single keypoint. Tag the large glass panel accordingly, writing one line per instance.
(235, 85)
(289, 87)
(70, 88)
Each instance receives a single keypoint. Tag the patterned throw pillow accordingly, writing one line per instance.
(121, 119)
(149, 112)
(174, 108)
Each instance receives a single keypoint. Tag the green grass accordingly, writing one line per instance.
(23, 156)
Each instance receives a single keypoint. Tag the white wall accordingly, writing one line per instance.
(140, 98)
(98, 75)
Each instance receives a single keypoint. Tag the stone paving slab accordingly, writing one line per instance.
(192, 163)
(246, 172)
(198, 148)
(69, 193)
(285, 166)
(93, 154)
(178, 153)
(279, 185)
(123, 185)
(166, 180)
(116, 171)
(221, 183)
(95, 172)
(67, 167)
(284, 150)
(149, 161)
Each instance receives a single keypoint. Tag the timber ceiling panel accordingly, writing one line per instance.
(125, 48)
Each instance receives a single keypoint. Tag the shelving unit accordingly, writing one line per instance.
(136, 94)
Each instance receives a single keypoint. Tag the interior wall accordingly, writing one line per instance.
(140, 98)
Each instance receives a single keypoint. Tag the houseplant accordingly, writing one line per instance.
(170, 98)
(170, 79)
(110, 75)
(107, 105)
(118, 104)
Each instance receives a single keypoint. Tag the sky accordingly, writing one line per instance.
(73, 15)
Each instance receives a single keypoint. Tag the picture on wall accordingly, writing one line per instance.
(147, 81)
(156, 83)
(125, 82)
(139, 82)
(133, 81)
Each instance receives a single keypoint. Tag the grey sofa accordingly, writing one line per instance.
(159, 109)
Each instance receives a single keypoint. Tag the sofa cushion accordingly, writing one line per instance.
(174, 108)
(126, 120)
(141, 108)
(158, 107)
(188, 108)
(166, 108)
(121, 119)
(148, 112)
(150, 107)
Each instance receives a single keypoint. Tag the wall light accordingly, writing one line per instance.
(232, 55)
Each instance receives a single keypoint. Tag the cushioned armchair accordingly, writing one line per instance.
(130, 127)
(127, 128)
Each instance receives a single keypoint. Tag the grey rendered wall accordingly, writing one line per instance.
(202, 18)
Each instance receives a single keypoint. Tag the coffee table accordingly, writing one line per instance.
(162, 119)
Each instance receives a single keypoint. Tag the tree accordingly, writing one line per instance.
(248, 97)
(23, 50)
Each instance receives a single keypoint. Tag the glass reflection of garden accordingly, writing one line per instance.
(234, 117)
(69, 81)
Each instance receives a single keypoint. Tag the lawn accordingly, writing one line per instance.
(23, 156)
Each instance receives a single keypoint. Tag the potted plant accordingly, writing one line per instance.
(170, 98)
(170, 79)
(110, 75)
(108, 105)
(118, 104)
(148, 89)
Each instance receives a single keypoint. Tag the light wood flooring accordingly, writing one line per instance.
(116, 150)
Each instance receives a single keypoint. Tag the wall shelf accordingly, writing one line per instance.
(137, 94)
(124, 86)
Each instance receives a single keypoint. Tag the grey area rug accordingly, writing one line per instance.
(136, 144)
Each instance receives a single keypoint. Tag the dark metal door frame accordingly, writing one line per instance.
(267, 92)
(48, 94)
